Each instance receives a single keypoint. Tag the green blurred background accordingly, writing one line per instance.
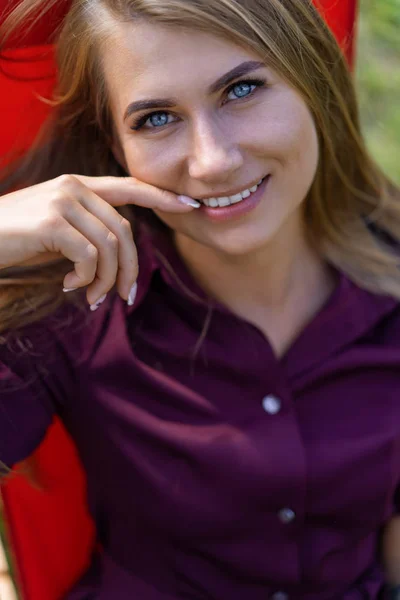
(378, 80)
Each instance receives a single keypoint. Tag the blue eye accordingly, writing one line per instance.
(153, 121)
(244, 89)
(158, 119)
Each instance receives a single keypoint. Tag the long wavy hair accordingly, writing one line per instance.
(352, 209)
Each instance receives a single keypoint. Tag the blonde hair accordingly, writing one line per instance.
(352, 209)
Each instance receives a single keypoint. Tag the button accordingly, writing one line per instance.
(279, 596)
(286, 515)
(271, 404)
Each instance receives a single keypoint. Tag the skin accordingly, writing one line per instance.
(260, 265)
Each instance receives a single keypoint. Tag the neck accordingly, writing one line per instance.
(284, 278)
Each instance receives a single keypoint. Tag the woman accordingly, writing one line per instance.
(234, 399)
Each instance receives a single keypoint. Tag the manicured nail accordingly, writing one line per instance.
(69, 289)
(189, 201)
(99, 302)
(132, 295)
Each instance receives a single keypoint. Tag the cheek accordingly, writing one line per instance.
(300, 143)
(300, 160)
(154, 163)
(283, 136)
(284, 127)
(307, 142)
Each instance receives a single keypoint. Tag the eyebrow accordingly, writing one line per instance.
(239, 71)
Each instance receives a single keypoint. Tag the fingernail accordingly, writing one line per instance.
(99, 302)
(69, 289)
(132, 295)
(189, 201)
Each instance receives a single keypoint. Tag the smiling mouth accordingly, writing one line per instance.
(235, 199)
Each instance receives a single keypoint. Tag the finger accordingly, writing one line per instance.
(119, 191)
(69, 242)
(121, 228)
(107, 245)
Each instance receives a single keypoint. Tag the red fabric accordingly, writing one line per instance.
(24, 74)
(42, 31)
(50, 530)
(341, 16)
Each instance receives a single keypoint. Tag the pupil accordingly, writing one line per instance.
(242, 89)
(159, 119)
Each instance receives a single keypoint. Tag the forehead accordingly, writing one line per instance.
(147, 57)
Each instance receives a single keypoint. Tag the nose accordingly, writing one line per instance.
(215, 156)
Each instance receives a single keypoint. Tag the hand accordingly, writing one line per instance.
(74, 216)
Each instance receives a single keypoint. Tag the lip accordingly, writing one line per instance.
(235, 211)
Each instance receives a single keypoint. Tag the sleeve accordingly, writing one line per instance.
(24, 416)
(36, 380)
(38, 374)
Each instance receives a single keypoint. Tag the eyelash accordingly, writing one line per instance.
(258, 83)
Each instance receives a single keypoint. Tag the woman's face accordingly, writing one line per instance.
(207, 119)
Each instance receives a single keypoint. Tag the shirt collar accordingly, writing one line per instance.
(157, 254)
(349, 313)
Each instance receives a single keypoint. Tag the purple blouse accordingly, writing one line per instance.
(216, 471)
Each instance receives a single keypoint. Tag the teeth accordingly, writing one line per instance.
(227, 200)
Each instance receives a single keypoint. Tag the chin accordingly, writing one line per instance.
(235, 242)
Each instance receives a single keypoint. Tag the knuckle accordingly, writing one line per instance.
(91, 252)
(125, 227)
(61, 202)
(53, 222)
(130, 180)
(112, 241)
(136, 185)
(67, 182)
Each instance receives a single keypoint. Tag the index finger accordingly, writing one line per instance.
(119, 191)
